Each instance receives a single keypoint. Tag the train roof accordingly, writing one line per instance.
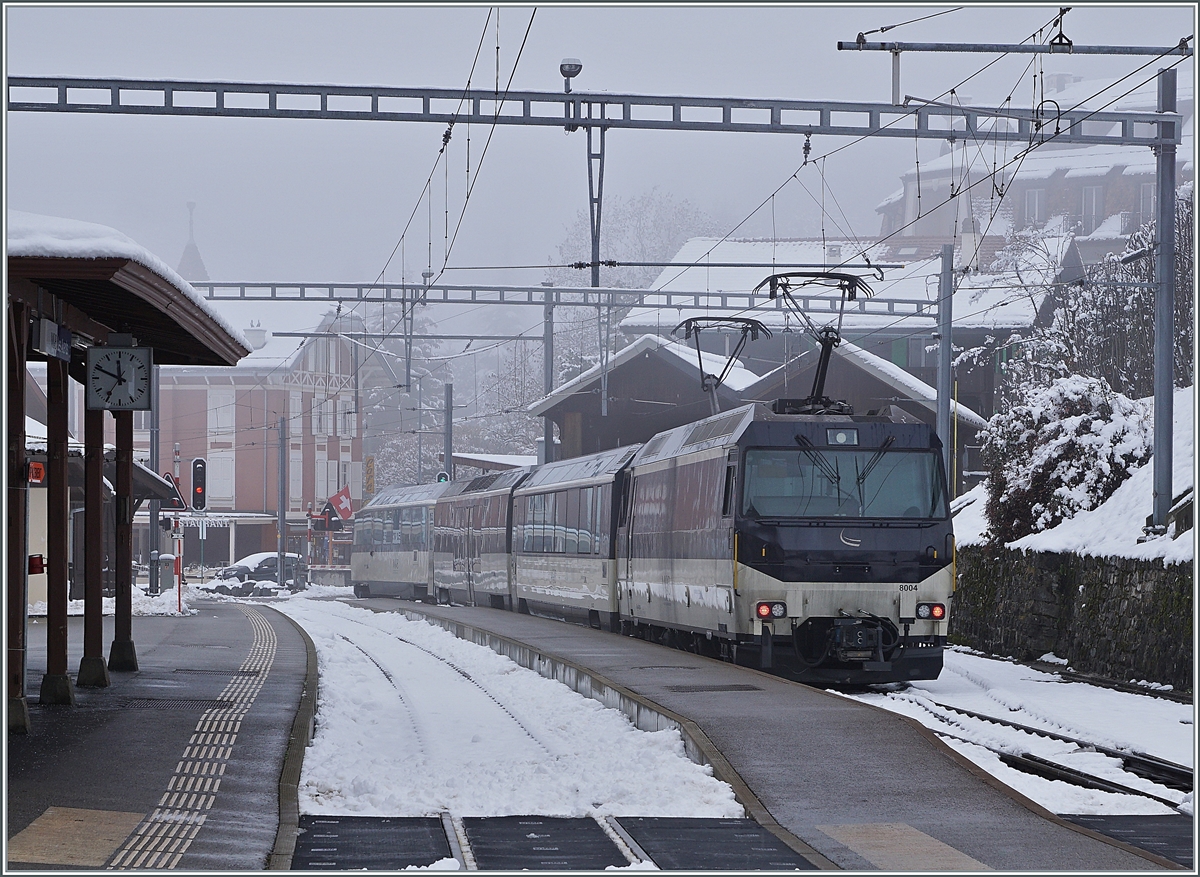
(720, 429)
(490, 482)
(398, 494)
(601, 465)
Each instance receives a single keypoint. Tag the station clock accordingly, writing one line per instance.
(118, 378)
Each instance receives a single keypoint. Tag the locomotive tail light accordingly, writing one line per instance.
(771, 610)
(931, 611)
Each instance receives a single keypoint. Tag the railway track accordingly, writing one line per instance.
(1140, 764)
(1150, 767)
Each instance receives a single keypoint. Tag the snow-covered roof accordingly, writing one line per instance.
(898, 379)
(738, 378)
(689, 273)
(494, 461)
(274, 316)
(905, 301)
(33, 235)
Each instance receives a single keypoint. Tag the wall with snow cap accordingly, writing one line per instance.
(1118, 617)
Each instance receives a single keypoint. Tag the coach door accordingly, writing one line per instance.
(475, 516)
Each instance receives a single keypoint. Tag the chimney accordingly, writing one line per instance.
(256, 335)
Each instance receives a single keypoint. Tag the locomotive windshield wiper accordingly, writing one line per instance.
(819, 460)
(871, 464)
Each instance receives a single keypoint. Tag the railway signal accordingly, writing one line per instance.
(199, 484)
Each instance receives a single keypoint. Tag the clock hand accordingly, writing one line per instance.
(107, 372)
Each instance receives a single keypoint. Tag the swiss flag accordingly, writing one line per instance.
(341, 503)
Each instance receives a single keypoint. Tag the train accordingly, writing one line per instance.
(816, 546)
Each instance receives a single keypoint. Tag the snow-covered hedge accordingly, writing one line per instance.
(1066, 450)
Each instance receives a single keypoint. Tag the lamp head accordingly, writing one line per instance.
(570, 68)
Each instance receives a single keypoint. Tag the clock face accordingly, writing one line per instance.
(119, 377)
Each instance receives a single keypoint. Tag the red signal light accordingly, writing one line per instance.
(931, 611)
(774, 609)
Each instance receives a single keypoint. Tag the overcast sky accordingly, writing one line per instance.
(327, 200)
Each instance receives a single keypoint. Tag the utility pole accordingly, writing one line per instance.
(281, 547)
(548, 375)
(945, 350)
(448, 438)
(1164, 312)
(153, 543)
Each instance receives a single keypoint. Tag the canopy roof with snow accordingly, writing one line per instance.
(117, 286)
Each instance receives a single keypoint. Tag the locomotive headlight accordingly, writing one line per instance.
(931, 611)
(841, 436)
(771, 610)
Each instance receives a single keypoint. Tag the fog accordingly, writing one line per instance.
(290, 200)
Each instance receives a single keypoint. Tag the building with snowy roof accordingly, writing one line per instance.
(977, 193)
(897, 321)
(653, 384)
(302, 370)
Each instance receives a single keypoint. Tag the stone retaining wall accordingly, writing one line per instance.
(1114, 617)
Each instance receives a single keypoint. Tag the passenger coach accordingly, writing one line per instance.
(564, 518)
(393, 543)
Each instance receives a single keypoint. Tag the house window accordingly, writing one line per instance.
(1147, 202)
(220, 412)
(1093, 208)
(1035, 206)
(142, 420)
(322, 417)
(296, 476)
(220, 477)
(918, 356)
(346, 426)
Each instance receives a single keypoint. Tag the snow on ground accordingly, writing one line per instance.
(1029, 697)
(166, 603)
(403, 733)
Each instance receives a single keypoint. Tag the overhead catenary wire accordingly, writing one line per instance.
(965, 188)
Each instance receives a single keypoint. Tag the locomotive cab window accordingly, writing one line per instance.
(855, 482)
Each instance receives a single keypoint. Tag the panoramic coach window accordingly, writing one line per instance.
(836, 482)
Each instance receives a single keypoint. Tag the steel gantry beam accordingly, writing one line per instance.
(151, 97)
(542, 296)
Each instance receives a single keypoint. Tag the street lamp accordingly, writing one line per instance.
(569, 68)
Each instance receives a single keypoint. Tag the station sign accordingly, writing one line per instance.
(51, 339)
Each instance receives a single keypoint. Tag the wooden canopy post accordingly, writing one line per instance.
(93, 672)
(123, 655)
(16, 568)
(57, 687)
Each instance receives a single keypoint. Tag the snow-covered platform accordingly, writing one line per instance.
(862, 788)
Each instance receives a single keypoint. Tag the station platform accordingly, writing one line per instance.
(185, 764)
(863, 788)
(176, 765)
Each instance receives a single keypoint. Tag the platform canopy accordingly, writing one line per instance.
(109, 283)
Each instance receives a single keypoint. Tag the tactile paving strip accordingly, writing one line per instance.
(541, 843)
(689, 844)
(1169, 836)
(165, 835)
(377, 843)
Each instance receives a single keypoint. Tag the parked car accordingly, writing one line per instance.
(256, 575)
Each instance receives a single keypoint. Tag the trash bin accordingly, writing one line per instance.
(166, 572)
